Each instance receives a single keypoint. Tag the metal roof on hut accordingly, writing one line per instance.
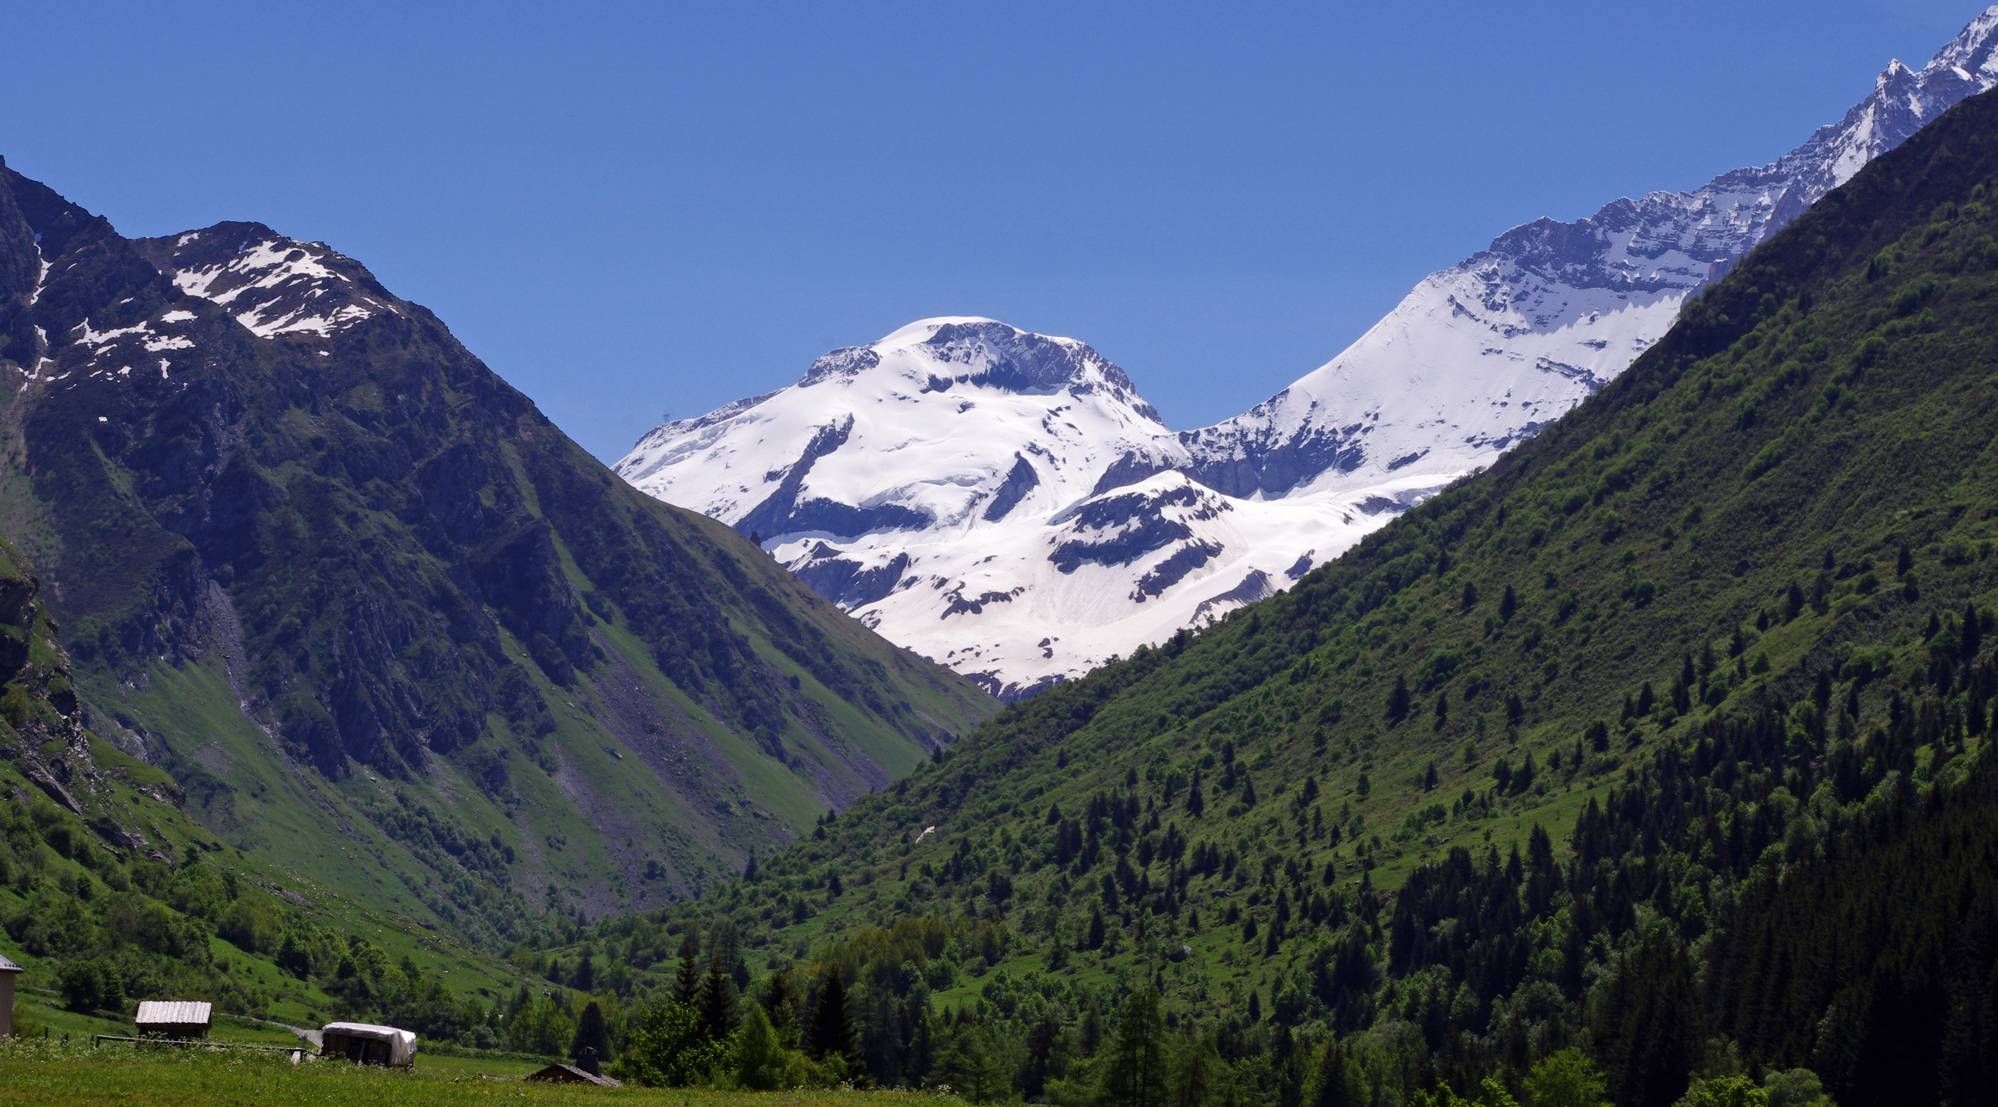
(174, 1018)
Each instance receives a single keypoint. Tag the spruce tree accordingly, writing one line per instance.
(687, 981)
(591, 1044)
(1397, 703)
(717, 1000)
(832, 1024)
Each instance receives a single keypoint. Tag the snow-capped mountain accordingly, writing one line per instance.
(943, 423)
(1006, 502)
(1485, 352)
(965, 488)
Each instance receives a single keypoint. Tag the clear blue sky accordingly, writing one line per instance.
(632, 208)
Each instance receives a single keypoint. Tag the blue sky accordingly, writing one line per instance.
(629, 209)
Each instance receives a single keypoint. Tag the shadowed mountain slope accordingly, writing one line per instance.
(379, 615)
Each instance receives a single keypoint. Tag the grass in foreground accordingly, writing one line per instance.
(49, 1074)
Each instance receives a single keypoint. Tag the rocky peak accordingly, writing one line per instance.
(998, 355)
(272, 284)
(1972, 49)
(974, 352)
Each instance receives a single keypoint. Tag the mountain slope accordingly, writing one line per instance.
(1735, 612)
(109, 893)
(379, 615)
(1190, 525)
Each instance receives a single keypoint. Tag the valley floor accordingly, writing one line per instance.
(56, 1074)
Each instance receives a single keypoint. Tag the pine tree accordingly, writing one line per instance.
(832, 1023)
(1398, 701)
(1649, 1024)
(1044, 1050)
(1334, 1085)
(1134, 1074)
(1090, 1031)
(717, 1000)
(1598, 735)
(591, 1045)
(1288, 1062)
(779, 1001)
(1193, 1078)
(687, 981)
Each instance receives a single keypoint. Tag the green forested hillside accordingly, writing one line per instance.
(379, 618)
(1663, 743)
(110, 894)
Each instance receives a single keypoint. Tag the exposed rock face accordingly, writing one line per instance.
(41, 724)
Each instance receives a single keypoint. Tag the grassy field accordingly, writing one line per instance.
(55, 1074)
